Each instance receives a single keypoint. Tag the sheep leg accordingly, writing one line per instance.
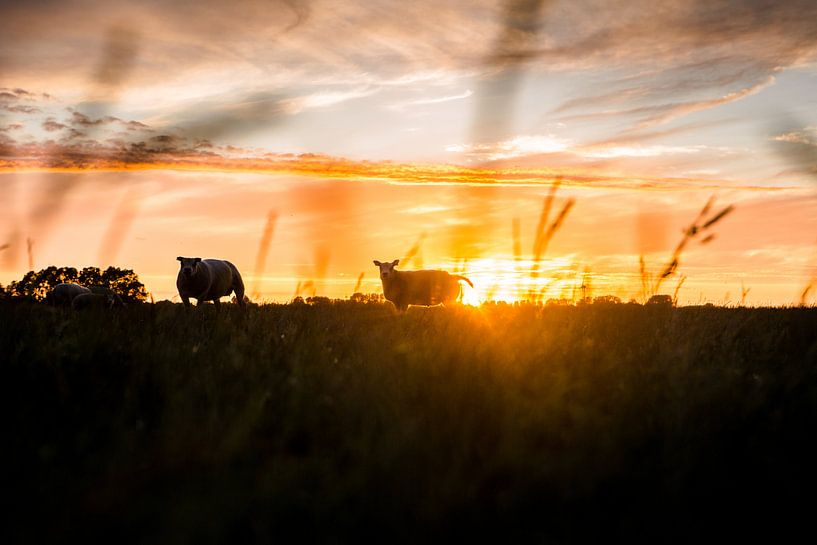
(186, 301)
(217, 303)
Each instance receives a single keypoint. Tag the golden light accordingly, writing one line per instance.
(510, 280)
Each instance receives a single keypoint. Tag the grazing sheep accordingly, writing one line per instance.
(102, 290)
(86, 301)
(208, 280)
(63, 294)
(404, 288)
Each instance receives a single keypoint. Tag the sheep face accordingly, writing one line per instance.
(189, 265)
(386, 269)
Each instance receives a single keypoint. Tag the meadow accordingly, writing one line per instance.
(343, 422)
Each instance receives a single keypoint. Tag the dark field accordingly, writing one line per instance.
(345, 423)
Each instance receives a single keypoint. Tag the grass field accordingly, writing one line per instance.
(344, 422)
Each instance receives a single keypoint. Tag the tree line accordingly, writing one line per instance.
(35, 285)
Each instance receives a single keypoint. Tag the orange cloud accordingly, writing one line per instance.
(52, 159)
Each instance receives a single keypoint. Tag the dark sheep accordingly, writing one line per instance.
(208, 280)
(63, 294)
(86, 301)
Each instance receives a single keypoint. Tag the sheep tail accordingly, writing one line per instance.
(458, 277)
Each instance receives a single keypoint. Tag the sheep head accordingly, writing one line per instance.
(189, 265)
(386, 269)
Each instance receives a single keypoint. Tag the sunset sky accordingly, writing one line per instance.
(134, 132)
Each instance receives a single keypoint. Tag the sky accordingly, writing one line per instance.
(303, 139)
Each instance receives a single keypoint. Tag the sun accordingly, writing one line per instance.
(510, 280)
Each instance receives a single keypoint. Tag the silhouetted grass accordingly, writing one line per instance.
(263, 250)
(344, 422)
(651, 282)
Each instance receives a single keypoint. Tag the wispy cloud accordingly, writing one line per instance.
(673, 111)
(798, 146)
(515, 147)
(659, 114)
(435, 100)
(20, 101)
(12, 127)
(638, 137)
(543, 145)
(52, 125)
(807, 136)
(426, 209)
(324, 99)
(606, 152)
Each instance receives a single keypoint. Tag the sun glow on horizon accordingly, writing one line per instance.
(511, 280)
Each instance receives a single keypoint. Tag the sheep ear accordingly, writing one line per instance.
(198, 260)
(179, 258)
(395, 262)
(376, 263)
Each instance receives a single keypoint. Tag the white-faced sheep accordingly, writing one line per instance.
(404, 288)
(63, 294)
(208, 280)
(98, 300)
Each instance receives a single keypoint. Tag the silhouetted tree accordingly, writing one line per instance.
(90, 276)
(561, 302)
(125, 283)
(660, 300)
(358, 297)
(375, 298)
(35, 285)
(606, 300)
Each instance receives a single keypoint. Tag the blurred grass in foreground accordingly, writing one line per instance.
(343, 422)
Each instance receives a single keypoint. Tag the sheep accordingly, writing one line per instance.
(97, 300)
(114, 299)
(63, 294)
(208, 280)
(404, 288)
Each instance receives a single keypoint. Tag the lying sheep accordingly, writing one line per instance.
(86, 301)
(404, 288)
(63, 294)
(116, 300)
(208, 280)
